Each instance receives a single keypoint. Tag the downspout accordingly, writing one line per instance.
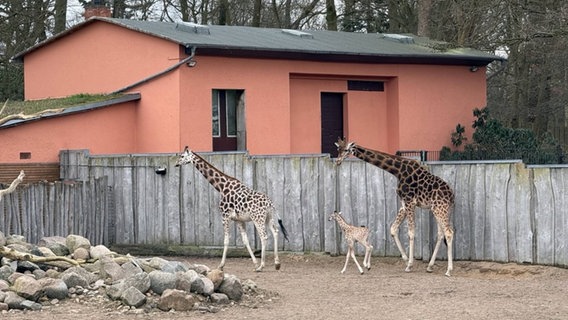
(187, 60)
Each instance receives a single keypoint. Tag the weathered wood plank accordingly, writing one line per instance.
(560, 232)
(478, 210)
(497, 183)
(291, 210)
(520, 234)
(543, 216)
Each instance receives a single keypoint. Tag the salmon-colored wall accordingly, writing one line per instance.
(104, 131)
(266, 101)
(419, 108)
(433, 100)
(99, 58)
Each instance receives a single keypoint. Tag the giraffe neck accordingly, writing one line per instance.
(342, 223)
(215, 177)
(397, 166)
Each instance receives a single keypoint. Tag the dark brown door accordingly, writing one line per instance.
(331, 121)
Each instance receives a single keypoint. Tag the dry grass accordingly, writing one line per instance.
(29, 107)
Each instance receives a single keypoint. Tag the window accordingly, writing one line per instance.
(358, 85)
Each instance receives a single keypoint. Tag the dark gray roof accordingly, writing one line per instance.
(320, 45)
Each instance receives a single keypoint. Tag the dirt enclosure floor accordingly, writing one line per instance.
(311, 287)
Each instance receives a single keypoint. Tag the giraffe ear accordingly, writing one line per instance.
(186, 149)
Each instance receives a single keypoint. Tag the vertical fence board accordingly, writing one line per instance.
(292, 208)
(461, 220)
(309, 200)
(544, 216)
(496, 200)
(478, 210)
(559, 190)
(518, 215)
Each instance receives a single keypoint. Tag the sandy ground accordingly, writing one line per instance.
(311, 287)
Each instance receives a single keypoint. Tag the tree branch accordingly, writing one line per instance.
(20, 256)
(23, 116)
(13, 185)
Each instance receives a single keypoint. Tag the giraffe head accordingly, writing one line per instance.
(186, 157)
(334, 215)
(344, 149)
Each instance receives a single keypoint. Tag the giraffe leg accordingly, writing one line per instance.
(449, 234)
(411, 235)
(244, 237)
(225, 242)
(394, 231)
(352, 250)
(274, 230)
(444, 230)
(347, 257)
(439, 239)
(368, 251)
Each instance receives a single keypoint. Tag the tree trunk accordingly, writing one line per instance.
(330, 15)
(424, 10)
(60, 15)
(256, 13)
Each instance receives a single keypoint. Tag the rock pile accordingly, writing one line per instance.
(147, 284)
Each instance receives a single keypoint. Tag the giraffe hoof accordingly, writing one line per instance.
(429, 269)
(408, 269)
(448, 274)
(277, 266)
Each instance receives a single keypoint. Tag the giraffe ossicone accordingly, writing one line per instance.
(240, 204)
(417, 187)
(354, 234)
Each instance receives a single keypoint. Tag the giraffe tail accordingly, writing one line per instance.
(284, 232)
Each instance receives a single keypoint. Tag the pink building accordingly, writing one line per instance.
(267, 91)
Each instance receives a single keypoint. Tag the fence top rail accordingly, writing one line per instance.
(468, 162)
(314, 155)
(547, 166)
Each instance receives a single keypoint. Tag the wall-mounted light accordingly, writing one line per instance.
(473, 68)
(191, 63)
(161, 170)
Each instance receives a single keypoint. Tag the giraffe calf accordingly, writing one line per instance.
(354, 234)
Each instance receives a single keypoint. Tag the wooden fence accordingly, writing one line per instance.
(44, 209)
(504, 211)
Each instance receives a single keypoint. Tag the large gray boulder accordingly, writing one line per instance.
(133, 297)
(232, 287)
(56, 244)
(160, 281)
(54, 288)
(74, 241)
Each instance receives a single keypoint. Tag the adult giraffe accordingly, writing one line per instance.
(241, 204)
(416, 188)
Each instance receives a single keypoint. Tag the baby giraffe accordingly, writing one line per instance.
(352, 234)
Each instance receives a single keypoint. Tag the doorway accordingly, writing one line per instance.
(228, 109)
(331, 121)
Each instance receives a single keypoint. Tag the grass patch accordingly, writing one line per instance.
(33, 106)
